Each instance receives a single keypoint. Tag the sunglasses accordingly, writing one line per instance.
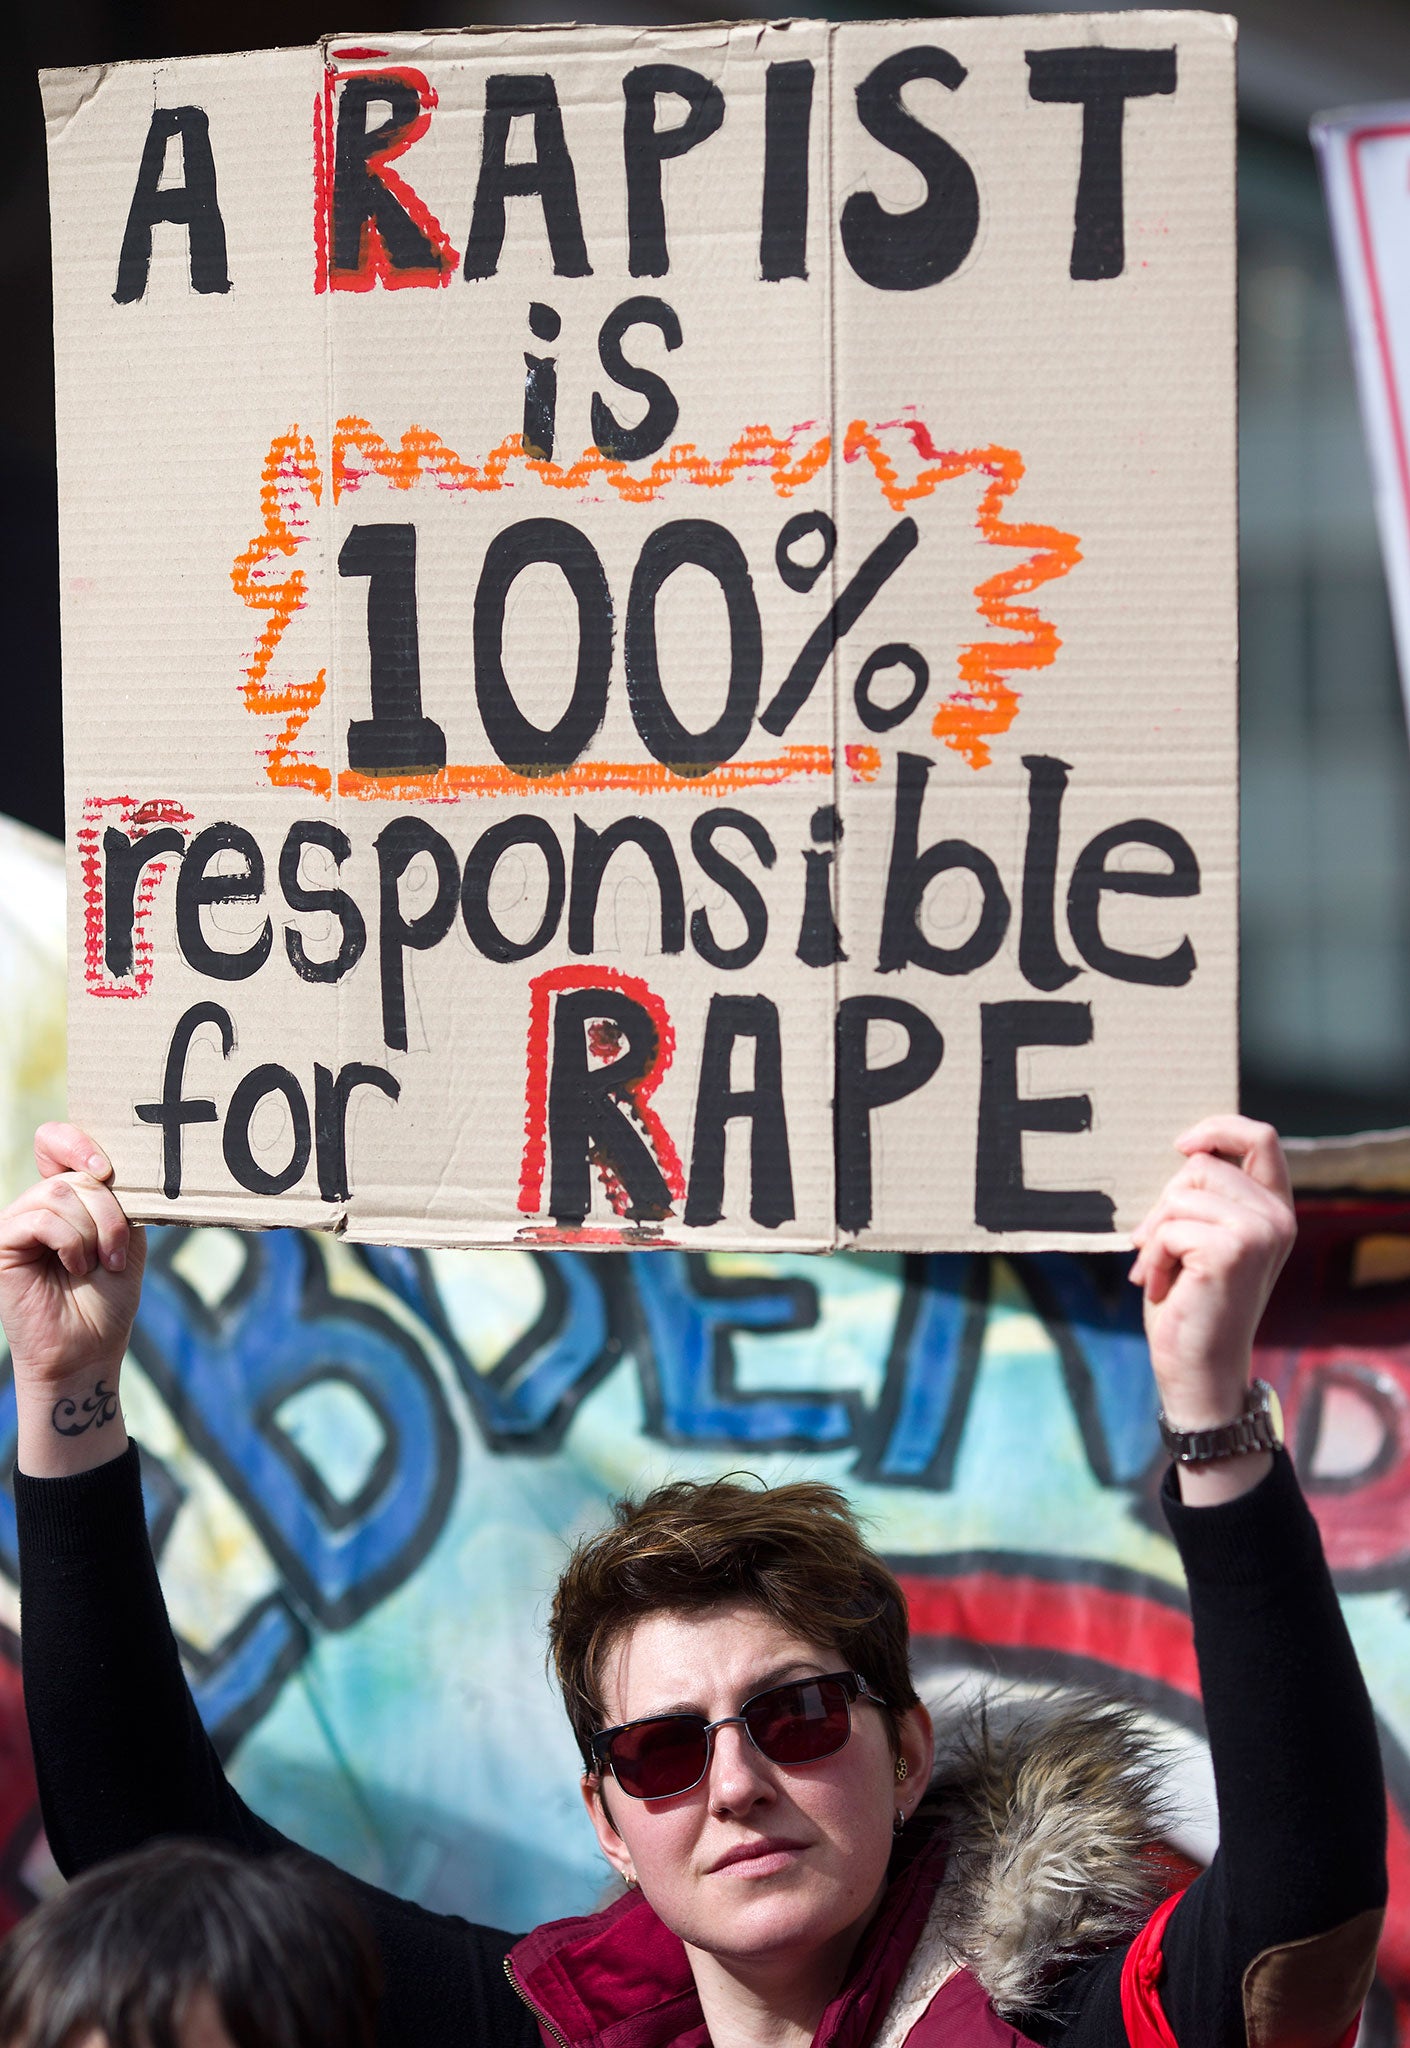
(798, 1723)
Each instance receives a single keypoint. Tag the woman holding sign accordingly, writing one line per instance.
(757, 1765)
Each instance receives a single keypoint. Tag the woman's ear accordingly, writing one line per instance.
(917, 1739)
(608, 1840)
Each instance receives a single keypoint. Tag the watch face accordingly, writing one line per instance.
(1273, 1409)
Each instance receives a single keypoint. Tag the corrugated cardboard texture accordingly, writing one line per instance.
(649, 628)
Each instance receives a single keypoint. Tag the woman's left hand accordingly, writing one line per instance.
(1207, 1255)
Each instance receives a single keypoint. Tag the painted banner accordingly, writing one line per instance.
(649, 629)
(363, 1468)
(1364, 155)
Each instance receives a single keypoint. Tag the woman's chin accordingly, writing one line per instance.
(785, 1920)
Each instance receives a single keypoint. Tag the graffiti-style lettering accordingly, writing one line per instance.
(525, 1399)
(930, 1372)
(226, 1370)
(1093, 1317)
(690, 1317)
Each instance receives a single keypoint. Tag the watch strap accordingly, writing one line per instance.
(1259, 1428)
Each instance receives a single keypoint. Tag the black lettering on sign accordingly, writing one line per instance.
(735, 883)
(591, 853)
(788, 115)
(658, 422)
(196, 888)
(1039, 960)
(337, 902)
(590, 1104)
(880, 716)
(331, 1094)
(1092, 878)
(485, 856)
(1002, 1200)
(714, 549)
(379, 225)
(645, 147)
(819, 941)
(541, 385)
(842, 614)
(397, 847)
(527, 748)
(903, 252)
(911, 872)
(397, 739)
(174, 1111)
(861, 1089)
(548, 175)
(1100, 82)
(123, 862)
(192, 204)
(260, 1083)
(797, 571)
(718, 1102)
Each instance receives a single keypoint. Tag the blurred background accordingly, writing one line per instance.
(1326, 769)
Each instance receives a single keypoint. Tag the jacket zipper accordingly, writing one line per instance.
(522, 1995)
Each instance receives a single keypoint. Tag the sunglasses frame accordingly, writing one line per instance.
(855, 1690)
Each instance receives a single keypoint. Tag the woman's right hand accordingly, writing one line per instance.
(70, 1278)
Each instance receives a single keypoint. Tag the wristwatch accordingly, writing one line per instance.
(1259, 1428)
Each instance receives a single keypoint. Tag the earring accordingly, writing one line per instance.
(903, 1770)
(898, 1820)
(629, 1880)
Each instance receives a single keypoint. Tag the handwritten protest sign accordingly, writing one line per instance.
(649, 628)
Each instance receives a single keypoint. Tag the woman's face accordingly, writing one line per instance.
(757, 1862)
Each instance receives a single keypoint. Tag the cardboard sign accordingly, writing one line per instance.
(1364, 155)
(650, 628)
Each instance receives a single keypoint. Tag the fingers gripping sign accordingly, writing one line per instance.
(1208, 1254)
(70, 1277)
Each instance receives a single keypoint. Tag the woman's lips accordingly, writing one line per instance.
(759, 1859)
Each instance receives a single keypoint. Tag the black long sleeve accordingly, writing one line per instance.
(1297, 1767)
(1297, 1771)
(121, 1754)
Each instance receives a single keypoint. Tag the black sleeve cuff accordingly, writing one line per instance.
(1266, 1534)
(64, 1518)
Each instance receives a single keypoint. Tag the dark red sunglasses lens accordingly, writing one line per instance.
(656, 1759)
(800, 1724)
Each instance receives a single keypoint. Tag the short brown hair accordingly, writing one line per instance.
(794, 1551)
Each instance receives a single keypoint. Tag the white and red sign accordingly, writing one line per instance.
(1365, 159)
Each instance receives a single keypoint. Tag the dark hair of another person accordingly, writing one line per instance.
(795, 1552)
(280, 1949)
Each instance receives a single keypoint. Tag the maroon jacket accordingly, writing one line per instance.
(620, 1979)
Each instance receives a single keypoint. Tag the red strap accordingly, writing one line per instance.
(1141, 2009)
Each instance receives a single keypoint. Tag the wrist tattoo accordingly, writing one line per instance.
(100, 1407)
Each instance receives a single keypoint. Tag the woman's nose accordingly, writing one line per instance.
(739, 1776)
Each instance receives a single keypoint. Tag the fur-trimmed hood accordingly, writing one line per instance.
(1053, 1816)
(1031, 1848)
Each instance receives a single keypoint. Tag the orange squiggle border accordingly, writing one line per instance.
(291, 466)
(986, 705)
(423, 453)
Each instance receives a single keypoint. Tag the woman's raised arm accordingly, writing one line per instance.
(70, 1278)
(119, 1748)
